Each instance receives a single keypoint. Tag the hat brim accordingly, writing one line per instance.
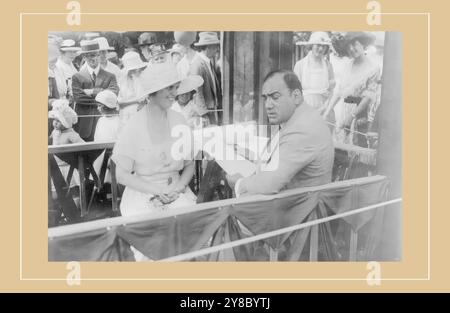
(72, 49)
(58, 115)
(215, 42)
(85, 52)
(366, 39)
(136, 67)
(307, 43)
(149, 91)
(190, 83)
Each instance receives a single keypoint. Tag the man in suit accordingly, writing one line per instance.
(209, 95)
(86, 84)
(305, 152)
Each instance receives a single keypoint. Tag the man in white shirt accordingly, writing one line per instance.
(64, 64)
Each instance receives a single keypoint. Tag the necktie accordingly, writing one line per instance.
(94, 77)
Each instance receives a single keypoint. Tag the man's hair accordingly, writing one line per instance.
(291, 80)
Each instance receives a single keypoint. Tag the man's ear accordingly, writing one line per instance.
(298, 96)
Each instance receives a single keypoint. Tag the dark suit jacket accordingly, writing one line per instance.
(206, 96)
(86, 105)
(305, 155)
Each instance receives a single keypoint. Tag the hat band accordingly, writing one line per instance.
(90, 47)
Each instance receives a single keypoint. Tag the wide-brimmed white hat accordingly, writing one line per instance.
(107, 98)
(63, 112)
(191, 82)
(132, 61)
(157, 77)
(207, 38)
(103, 43)
(317, 38)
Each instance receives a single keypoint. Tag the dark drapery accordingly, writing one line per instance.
(169, 236)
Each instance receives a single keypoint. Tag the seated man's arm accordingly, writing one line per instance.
(296, 151)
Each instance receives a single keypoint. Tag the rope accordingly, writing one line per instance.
(228, 245)
(346, 128)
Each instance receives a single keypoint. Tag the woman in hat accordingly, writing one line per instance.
(316, 73)
(130, 86)
(185, 105)
(357, 91)
(143, 151)
(108, 126)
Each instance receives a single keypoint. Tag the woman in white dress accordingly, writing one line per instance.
(316, 74)
(357, 94)
(143, 151)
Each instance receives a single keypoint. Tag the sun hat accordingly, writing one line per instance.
(69, 45)
(107, 98)
(185, 38)
(63, 112)
(103, 43)
(177, 48)
(157, 77)
(207, 38)
(111, 55)
(365, 38)
(157, 49)
(191, 82)
(316, 38)
(146, 39)
(132, 61)
(88, 46)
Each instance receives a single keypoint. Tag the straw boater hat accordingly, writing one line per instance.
(69, 45)
(103, 43)
(317, 38)
(107, 98)
(64, 113)
(185, 38)
(207, 38)
(132, 61)
(91, 35)
(89, 46)
(191, 83)
(159, 76)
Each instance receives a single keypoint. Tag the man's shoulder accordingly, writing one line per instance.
(306, 120)
(106, 73)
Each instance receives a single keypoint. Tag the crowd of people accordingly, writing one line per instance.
(137, 99)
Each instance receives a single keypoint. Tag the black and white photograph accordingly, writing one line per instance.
(223, 146)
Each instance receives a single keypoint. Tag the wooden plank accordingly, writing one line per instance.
(353, 245)
(112, 170)
(82, 186)
(121, 220)
(314, 240)
(77, 147)
(273, 254)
